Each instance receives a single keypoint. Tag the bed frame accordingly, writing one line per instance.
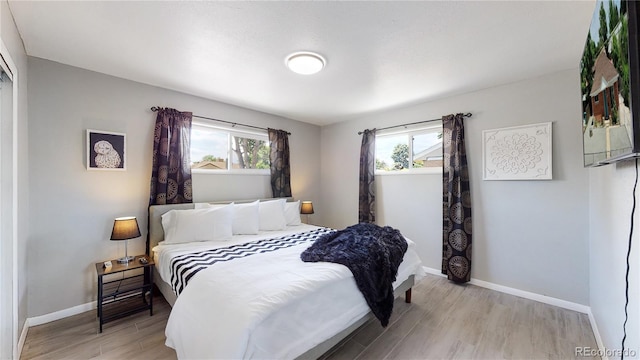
(156, 234)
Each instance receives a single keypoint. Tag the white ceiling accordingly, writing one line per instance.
(380, 55)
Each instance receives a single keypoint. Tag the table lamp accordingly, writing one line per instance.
(306, 208)
(125, 228)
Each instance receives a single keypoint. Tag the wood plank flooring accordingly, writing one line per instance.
(138, 336)
(444, 321)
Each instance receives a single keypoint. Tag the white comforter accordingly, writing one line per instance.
(269, 305)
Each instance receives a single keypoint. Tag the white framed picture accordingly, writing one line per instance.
(106, 150)
(517, 153)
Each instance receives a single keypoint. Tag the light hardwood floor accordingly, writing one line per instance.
(444, 321)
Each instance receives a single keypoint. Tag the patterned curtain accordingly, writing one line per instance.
(456, 226)
(367, 195)
(171, 172)
(279, 158)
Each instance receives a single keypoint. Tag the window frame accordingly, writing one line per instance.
(230, 132)
(410, 133)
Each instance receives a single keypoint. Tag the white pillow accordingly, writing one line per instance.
(246, 218)
(272, 215)
(292, 213)
(182, 226)
(208, 206)
(196, 206)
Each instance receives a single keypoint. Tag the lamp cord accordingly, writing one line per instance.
(115, 294)
(626, 290)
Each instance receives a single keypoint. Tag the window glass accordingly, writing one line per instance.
(392, 152)
(212, 147)
(409, 150)
(209, 148)
(249, 153)
(427, 150)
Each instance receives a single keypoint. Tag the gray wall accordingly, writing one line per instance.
(528, 235)
(611, 201)
(13, 42)
(72, 209)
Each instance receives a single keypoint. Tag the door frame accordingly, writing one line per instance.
(8, 66)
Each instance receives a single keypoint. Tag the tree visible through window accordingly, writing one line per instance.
(249, 153)
(400, 156)
(409, 150)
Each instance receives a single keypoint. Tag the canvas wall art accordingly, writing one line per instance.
(106, 150)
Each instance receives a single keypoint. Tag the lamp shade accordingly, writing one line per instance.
(125, 228)
(306, 207)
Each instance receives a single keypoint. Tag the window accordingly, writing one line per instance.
(409, 151)
(212, 147)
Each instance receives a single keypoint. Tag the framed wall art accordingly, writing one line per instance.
(106, 150)
(517, 153)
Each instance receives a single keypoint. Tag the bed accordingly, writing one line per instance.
(266, 305)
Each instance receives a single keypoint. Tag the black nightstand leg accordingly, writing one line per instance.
(150, 290)
(100, 301)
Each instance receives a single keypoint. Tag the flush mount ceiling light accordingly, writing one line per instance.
(305, 62)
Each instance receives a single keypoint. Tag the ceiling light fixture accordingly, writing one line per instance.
(305, 62)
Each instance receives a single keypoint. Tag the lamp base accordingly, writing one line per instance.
(126, 259)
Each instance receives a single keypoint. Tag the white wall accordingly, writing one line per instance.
(12, 40)
(72, 209)
(424, 194)
(611, 201)
(234, 187)
(528, 235)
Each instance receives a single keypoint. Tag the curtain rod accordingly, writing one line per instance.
(233, 124)
(413, 123)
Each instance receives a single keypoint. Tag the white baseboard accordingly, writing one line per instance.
(596, 333)
(23, 337)
(521, 293)
(433, 271)
(57, 315)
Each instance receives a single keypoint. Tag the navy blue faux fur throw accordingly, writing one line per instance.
(372, 253)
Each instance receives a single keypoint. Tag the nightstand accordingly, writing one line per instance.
(129, 294)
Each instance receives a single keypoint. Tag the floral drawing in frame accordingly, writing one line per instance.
(106, 150)
(517, 153)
